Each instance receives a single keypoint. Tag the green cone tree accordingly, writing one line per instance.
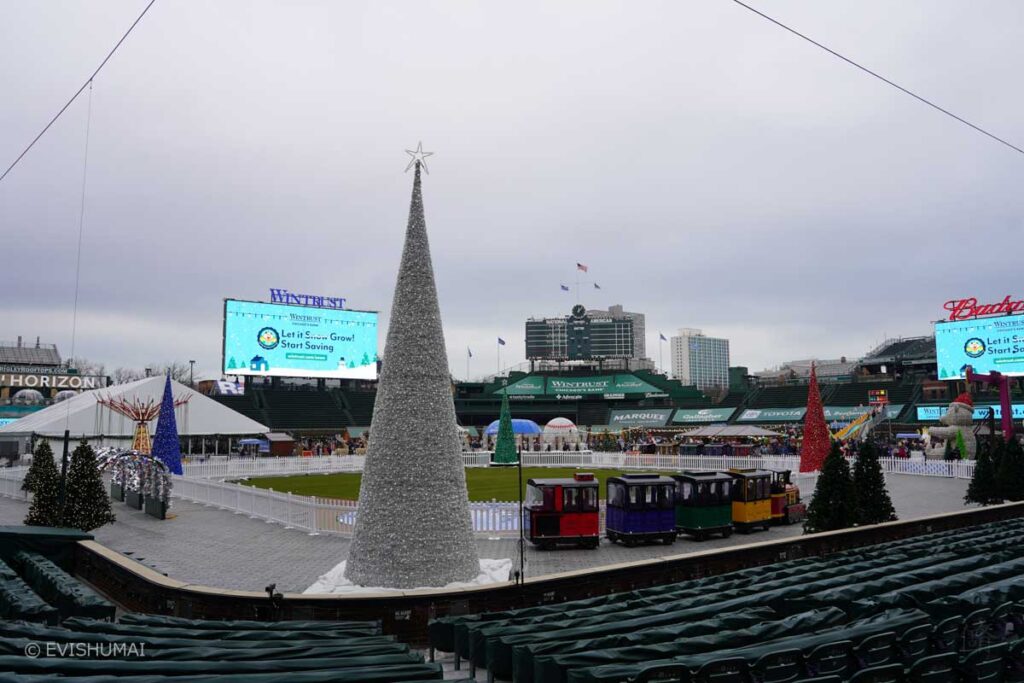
(1010, 474)
(505, 447)
(834, 503)
(874, 505)
(984, 487)
(42, 459)
(45, 488)
(86, 504)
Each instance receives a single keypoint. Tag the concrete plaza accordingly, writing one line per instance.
(213, 547)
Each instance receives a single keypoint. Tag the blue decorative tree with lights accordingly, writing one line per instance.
(166, 446)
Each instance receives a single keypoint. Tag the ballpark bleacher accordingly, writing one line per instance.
(947, 606)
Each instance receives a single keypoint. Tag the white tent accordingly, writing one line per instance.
(85, 418)
(561, 430)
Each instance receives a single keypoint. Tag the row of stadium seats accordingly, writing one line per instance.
(157, 649)
(792, 396)
(33, 588)
(947, 596)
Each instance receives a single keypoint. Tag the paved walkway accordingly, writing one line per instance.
(212, 547)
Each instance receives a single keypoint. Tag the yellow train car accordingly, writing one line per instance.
(751, 499)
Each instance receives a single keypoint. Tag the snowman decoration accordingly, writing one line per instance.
(959, 418)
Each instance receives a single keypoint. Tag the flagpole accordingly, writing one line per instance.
(661, 344)
(468, 356)
(499, 360)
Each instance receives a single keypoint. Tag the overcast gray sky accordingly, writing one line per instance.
(712, 170)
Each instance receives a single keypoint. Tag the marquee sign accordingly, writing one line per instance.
(44, 381)
(283, 296)
(650, 417)
(962, 309)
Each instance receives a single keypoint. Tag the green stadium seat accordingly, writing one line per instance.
(890, 673)
(669, 673)
(1015, 662)
(940, 668)
(985, 665)
(976, 630)
(732, 670)
(831, 659)
(778, 667)
(877, 650)
(915, 643)
(945, 636)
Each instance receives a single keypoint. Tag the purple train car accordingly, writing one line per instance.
(641, 508)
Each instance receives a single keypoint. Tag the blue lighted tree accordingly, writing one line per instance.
(166, 446)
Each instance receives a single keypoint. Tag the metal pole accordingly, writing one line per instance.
(191, 377)
(522, 531)
(63, 474)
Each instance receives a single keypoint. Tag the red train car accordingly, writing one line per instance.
(562, 512)
(787, 508)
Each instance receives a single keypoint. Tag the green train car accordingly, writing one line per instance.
(704, 503)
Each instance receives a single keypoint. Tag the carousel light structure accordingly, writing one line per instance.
(142, 412)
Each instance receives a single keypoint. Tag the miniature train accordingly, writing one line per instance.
(649, 508)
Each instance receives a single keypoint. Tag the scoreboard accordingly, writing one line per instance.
(579, 337)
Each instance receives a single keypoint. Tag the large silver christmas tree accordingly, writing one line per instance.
(413, 527)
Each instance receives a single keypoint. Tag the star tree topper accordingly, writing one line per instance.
(418, 157)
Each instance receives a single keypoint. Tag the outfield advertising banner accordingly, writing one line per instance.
(640, 417)
(528, 386)
(702, 415)
(985, 344)
(278, 340)
(933, 413)
(571, 388)
(851, 413)
(771, 415)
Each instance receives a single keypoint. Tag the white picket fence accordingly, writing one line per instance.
(10, 483)
(264, 467)
(320, 515)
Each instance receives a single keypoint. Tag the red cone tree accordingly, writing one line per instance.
(817, 438)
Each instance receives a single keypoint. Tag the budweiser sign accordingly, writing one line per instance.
(962, 309)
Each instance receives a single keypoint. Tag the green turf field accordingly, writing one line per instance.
(484, 483)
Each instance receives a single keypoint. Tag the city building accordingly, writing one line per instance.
(700, 360)
(639, 326)
(611, 339)
(33, 376)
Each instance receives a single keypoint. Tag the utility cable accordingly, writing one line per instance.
(88, 83)
(882, 78)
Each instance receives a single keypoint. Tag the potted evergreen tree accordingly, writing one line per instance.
(834, 503)
(86, 505)
(984, 488)
(874, 505)
(44, 480)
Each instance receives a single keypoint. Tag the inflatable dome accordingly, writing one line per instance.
(28, 397)
(561, 429)
(64, 395)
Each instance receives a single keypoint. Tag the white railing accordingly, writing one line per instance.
(10, 486)
(320, 515)
(534, 458)
(259, 467)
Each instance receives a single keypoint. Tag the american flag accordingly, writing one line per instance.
(662, 337)
(580, 266)
(469, 352)
(597, 286)
(501, 342)
(564, 288)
